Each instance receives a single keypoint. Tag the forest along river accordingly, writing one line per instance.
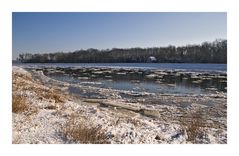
(135, 82)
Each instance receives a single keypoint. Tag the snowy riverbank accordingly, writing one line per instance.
(49, 113)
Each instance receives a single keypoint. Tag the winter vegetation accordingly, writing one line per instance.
(207, 52)
(44, 112)
(80, 131)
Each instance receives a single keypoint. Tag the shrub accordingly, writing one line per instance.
(80, 131)
(193, 125)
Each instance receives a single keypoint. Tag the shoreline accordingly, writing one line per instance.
(121, 121)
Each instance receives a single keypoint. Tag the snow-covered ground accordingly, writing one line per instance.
(122, 122)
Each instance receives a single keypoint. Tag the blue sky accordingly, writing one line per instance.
(53, 32)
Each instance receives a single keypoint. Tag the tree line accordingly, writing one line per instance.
(207, 52)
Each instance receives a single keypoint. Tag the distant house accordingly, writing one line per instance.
(152, 59)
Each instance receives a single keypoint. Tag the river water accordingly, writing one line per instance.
(135, 76)
(166, 66)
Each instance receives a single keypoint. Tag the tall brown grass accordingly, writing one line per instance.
(193, 126)
(19, 104)
(79, 131)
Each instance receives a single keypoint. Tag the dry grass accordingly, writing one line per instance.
(79, 131)
(51, 94)
(193, 125)
(22, 76)
(19, 81)
(23, 82)
(55, 95)
(19, 104)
